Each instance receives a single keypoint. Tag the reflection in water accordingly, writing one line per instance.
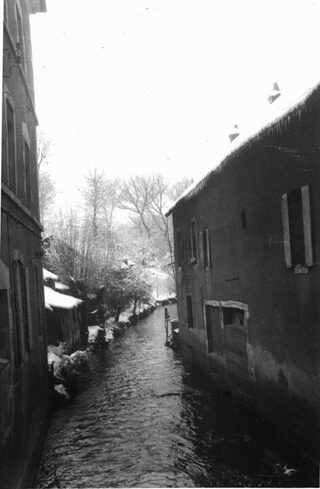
(147, 419)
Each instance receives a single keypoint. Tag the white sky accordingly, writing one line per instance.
(136, 86)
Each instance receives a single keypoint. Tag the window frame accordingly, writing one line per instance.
(23, 318)
(190, 319)
(8, 101)
(306, 230)
(20, 38)
(206, 244)
(193, 242)
(26, 166)
(5, 12)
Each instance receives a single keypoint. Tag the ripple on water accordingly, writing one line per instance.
(146, 419)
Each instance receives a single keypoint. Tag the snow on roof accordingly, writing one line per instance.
(61, 286)
(55, 299)
(47, 275)
(280, 112)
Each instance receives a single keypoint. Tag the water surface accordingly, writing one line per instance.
(148, 419)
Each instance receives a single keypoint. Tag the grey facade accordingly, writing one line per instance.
(247, 248)
(23, 356)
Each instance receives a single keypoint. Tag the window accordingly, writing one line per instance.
(296, 221)
(4, 325)
(20, 40)
(233, 316)
(189, 311)
(243, 220)
(11, 146)
(179, 248)
(5, 11)
(27, 182)
(193, 242)
(24, 306)
(214, 330)
(206, 248)
(23, 325)
(37, 298)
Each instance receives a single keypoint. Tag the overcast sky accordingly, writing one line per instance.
(136, 86)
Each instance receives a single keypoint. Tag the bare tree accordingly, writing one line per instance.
(147, 199)
(137, 194)
(112, 201)
(43, 149)
(94, 193)
(47, 189)
(179, 187)
(47, 194)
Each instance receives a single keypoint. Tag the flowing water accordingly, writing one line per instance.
(146, 418)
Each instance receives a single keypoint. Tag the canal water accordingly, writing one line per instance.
(145, 418)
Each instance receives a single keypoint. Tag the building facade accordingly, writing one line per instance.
(23, 362)
(247, 249)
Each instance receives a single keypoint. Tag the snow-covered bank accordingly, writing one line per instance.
(66, 372)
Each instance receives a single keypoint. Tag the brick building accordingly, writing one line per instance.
(23, 365)
(247, 248)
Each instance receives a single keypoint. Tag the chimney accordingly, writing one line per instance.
(274, 94)
(234, 133)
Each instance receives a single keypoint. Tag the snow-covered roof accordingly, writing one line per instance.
(47, 275)
(277, 117)
(55, 299)
(61, 286)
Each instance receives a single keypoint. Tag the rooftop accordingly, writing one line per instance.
(55, 299)
(274, 119)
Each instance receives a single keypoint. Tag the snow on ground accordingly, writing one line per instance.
(94, 333)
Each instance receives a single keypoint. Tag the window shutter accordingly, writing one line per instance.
(208, 248)
(202, 251)
(28, 308)
(306, 213)
(286, 230)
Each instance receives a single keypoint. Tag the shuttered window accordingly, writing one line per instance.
(189, 311)
(27, 182)
(296, 221)
(193, 242)
(206, 248)
(179, 248)
(23, 323)
(11, 148)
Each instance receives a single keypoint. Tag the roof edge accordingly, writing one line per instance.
(265, 130)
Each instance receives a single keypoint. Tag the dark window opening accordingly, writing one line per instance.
(4, 162)
(179, 245)
(243, 220)
(20, 42)
(214, 333)
(206, 248)
(189, 311)
(5, 11)
(296, 227)
(24, 306)
(38, 300)
(233, 316)
(27, 174)
(193, 242)
(4, 325)
(11, 147)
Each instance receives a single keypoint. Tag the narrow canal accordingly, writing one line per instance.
(146, 419)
